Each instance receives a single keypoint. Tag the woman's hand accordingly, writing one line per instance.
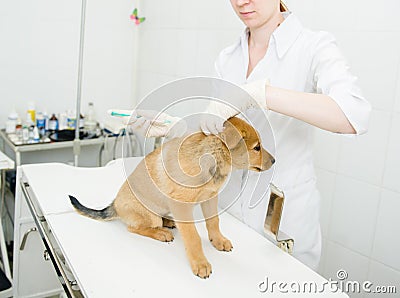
(151, 123)
(218, 112)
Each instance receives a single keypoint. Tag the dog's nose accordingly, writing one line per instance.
(272, 160)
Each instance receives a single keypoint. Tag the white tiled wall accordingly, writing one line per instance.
(358, 177)
(353, 214)
(182, 38)
(39, 47)
(342, 258)
(391, 175)
(385, 246)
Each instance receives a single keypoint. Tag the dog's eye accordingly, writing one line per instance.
(257, 148)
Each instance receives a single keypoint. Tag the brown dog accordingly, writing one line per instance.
(183, 172)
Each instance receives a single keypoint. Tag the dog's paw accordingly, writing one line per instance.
(164, 235)
(221, 243)
(201, 268)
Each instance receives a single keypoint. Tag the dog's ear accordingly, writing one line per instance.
(231, 135)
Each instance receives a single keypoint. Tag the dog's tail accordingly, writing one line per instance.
(107, 213)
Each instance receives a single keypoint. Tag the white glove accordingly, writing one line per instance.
(257, 91)
(151, 123)
(214, 124)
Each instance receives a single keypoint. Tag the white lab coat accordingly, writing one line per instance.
(303, 60)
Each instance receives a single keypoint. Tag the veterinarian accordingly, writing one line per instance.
(303, 80)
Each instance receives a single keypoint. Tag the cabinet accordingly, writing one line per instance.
(33, 274)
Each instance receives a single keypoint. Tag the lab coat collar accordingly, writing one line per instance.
(284, 36)
(287, 33)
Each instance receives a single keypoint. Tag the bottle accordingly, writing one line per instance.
(25, 133)
(90, 121)
(28, 119)
(71, 120)
(81, 121)
(30, 134)
(46, 120)
(53, 123)
(62, 121)
(40, 123)
(36, 136)
(11, 122)
(32, 111)
(18, 129)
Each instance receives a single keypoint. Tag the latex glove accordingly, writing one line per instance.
(220, 112)
(257, 90)
(151, 123)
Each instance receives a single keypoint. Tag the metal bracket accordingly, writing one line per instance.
(26, 234)
(157, 142)
(273, 220)
(46, 255)
(42, 228)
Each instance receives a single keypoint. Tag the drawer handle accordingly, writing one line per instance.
(22, 246)
(46, 255)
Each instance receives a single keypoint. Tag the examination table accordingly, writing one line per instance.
(58, 250)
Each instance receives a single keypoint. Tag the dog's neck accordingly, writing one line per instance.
(223, 163)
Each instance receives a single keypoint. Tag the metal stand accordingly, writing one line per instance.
(5, 164)
(79, 92)
(273, 220)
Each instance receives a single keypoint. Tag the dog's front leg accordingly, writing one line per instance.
(210, 212)
(183, 215)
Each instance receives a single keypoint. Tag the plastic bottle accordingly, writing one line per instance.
(81, 121)
(40, 123)
(90, 121)
(36, 135)
(46, 120)
(53, 123)
(11, 122)
(71, 119)
(30, 134)
(18, 129)
(62, 121)
(25, 133)
(32, 111)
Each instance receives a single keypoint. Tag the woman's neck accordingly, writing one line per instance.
(259, 36)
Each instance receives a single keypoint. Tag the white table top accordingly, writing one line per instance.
(108, 261)
(5, 162)
(95, 187)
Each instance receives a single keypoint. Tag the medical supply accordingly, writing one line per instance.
(18, 129)
(28, 119)
(46, 120)
(151, 123)
(62, 121)
(40, 123)
(90, 121)
(81, 121)
(71, 120)
(32, 111)
(11, 122)
(120, 113)
(25, 133)
(36, 136)
(30, 134)
(128, 113)
(53, 123)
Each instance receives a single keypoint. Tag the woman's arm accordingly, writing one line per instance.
(316, 109)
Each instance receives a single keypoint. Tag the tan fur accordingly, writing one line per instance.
(181, 173)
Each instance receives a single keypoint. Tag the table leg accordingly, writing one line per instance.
(17, 159)
(3, 188)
